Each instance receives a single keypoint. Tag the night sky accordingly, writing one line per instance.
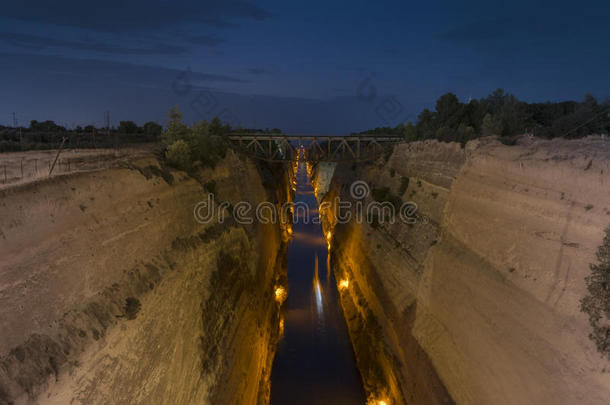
(306, 67)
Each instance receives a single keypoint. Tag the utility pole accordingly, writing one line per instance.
(20, 134)
(107, 122)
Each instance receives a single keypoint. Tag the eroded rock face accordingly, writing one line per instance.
(478, 301)
(110, 291)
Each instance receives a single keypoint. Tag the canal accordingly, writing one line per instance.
(314, 363)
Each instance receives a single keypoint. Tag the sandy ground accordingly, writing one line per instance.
(24, 167)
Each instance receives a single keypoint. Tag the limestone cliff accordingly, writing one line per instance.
(477, 301)
(111, 292)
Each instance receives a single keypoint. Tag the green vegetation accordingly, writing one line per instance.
(205, 142)
(597, 303)
(503, 114)
(178, 155)
(49, 135)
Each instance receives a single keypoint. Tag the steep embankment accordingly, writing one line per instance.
(478, 301)
(111, 292)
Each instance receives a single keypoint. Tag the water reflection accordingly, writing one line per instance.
(317, 288)
(314, 363)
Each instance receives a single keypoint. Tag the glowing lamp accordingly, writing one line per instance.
(280, 294)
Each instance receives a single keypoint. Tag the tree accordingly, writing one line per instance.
(464, 134)
(410, 132)
(152, 129)
(513, 116)
(46, 126)
(216, 126)
(176, 130)
(178, 155)
(128, 127)
(495, 100)
(491, 125)
(426, 127)
(208, 147)
(448, 111)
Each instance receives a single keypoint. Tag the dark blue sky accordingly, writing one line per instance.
(316, 66)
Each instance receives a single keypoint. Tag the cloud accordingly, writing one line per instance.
(95, 70)
(39, 43)
(134, 15)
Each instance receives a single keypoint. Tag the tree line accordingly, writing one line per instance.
(504, 115)
(125, 127)
(49, 135)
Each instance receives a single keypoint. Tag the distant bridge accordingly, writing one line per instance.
(318, 148)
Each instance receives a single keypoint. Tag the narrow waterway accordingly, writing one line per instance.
(314, 363)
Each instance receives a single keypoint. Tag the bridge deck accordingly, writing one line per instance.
(279, 137)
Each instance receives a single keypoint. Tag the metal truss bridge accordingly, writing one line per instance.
(317, 148)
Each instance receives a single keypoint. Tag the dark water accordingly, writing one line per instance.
(315, 362)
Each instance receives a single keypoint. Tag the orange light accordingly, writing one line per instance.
(344, 284)
(280, 294)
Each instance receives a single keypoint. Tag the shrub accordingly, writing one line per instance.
(132, 307)
(597, 303)
(178, 155)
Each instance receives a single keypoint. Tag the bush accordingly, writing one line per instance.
(132, 307)
(178, 155)
(597, 303)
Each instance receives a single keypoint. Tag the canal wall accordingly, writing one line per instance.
(112, 292)
(477, 301)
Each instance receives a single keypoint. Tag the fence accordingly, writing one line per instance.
(11, 140)
(18, 167)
